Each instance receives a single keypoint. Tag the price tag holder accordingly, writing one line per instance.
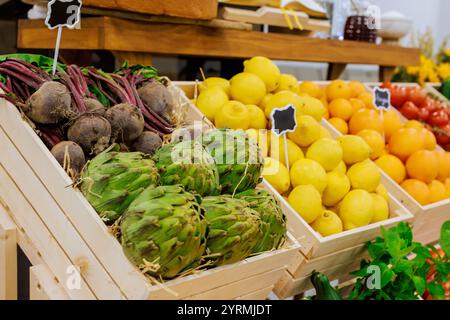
(62, 13)
(381, 98)
(284, 120)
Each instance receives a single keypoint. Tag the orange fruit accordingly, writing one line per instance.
(447, 188)
(375, 140)
(340, 108)
(339, 124)
(356, 88)
(444, 165)
(405, 142)
(423, 165)
(357, 104)
(414, 124)
(429, 139)
(365, 119)
(338, 89)
(417, 189)
(326, 116)
(367, 98)
(438, 192)
(310, 88)
(393, 167)
(391, 123)
(324, 101)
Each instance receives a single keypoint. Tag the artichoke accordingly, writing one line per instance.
(112, 180)
(187, 163)
(238, 159)
(234, 229)
(273, 221)
(163, 230)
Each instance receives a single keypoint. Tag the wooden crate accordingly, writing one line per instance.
(428, 219)
(66, 230)
(317, 252)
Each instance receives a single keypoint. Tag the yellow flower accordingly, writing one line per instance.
(447, 52)
(443, 70)
(412, 70)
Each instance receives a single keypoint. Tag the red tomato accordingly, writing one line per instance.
(417, 96)
(444, 137)
(386, 85)
(398, 96)
(423, 114)
(438, 118)
(409, 110)
(430, 105)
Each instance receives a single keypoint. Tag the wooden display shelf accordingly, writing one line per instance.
(118, 35)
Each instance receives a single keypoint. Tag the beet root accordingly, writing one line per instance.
(148, 142)
(92, 132)
(127, 122)
(158, 98)
(50, 104)
(70, 156)
(94, 106)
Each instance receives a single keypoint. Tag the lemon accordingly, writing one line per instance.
(280, 100)
(233, 115)
(338, 185)
(266, 70)
(307, 171)
(336, 207)
(212, 82)
(310, 88)
(364, 175)
(210, 100)
(356, 209)
(382, 191)
(260, 136)
(327, 152)
(276, 174)
(307, 131)
(340, 168)
(354, 148)
(375, 141)
(327, 224)
(264, 102)
(312, 107)
(277, 151)
(288, 82)
(380, 208)
(307, 202)
(247, 88)
(324, 133)
(257, 117)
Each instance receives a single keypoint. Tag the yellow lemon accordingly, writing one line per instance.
(288, 82)
(340, 168)
(327, 224)
(308, 172)
(276, 174)
(327, 152)
(354, 148)
(212, 82)
(306, 201)
(375, 141)
(380, 208)
(264, 101)
(247, 88)
(311, 107)
(339, 124)
(233, 115)
(257, 117)
(310, 88)
(307, 131)
(356, 209)
(338, 185)
(324, 133)
(210, 100)
(266, 70)
(277, 151)
(280, 100)
(382, 191)
(364, 175)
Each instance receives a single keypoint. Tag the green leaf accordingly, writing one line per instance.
(419, 284)
(393, 243)
(376, 250)
(386, 275)
(404, 266)
(405, 232)
(436, 290)
(43, 62)
(100, 96)
(445, 238)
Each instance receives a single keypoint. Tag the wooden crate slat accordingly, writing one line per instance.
(8, 257)
(43, 285)
(257, 295)
(26, 219)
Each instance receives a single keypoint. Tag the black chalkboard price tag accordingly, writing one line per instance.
(62, 13)
(284, 120)
(381, 98)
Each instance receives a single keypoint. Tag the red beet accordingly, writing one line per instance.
(148, 142)
(92, 132)
(126, 121)
(69, 155)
